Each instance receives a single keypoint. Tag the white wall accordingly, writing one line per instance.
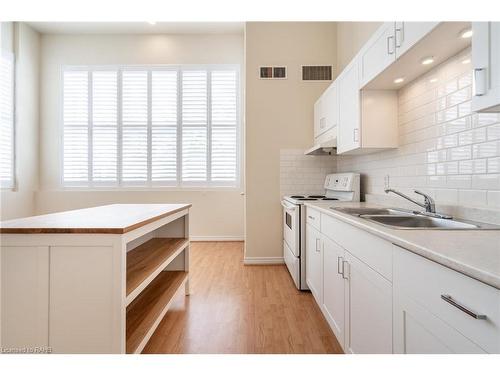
(25, 42)
(279, 115)
(215, 213)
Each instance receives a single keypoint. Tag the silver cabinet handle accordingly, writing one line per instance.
(461, 307)
(340, 265)
(311, 217)
(344, 276)
(318, 245)
(390, 40)
(400, 36)
(479, 82)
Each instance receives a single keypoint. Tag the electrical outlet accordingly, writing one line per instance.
(386, 181)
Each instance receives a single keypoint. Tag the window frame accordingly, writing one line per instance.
(12, 184)
(149, 184)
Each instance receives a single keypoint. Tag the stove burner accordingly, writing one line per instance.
(315, 196)
(329, 199)
(307, 199)
(297, 196)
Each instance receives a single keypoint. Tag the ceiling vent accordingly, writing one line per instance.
(317, 72)
(272, 72)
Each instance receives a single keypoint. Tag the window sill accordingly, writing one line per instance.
(148, 189)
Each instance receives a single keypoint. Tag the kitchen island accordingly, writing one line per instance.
(95, 280)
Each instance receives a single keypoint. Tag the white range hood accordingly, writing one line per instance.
(327, 147)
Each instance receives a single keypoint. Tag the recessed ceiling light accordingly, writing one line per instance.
(466, 33)
(399, 80)
(427, 60)
(432, 80)
(465, 61)
(152, 22)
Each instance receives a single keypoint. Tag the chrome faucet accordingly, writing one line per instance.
(428, 204)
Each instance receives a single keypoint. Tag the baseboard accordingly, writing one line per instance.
(216, 238)
(263, 260)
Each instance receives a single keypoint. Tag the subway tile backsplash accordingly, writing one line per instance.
(304, 174)
(444, 148)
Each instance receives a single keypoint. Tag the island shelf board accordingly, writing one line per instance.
(146, 261)
(145, 313)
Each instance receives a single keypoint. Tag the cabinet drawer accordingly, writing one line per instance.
(426, 282)
(370, 249)
(313, 218)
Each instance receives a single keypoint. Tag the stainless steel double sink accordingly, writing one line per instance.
(406, 219)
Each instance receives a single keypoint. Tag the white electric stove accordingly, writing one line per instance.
(338, 187)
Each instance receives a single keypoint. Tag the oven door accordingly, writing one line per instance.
(291, 226)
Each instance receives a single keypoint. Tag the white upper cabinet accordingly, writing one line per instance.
(326, 111)
(407, 34)
(349, 111)
(486, 64)
(367, 118)
(378, 53)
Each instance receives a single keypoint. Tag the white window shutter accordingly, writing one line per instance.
(135, 126)
(7, 120)
(104, 126)
(224, 124)
(194, 125)
(76, 126)
(164, 120)
(160, 126)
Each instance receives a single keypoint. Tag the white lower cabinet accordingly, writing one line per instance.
(417, 331)
(314, 263)
(438, 310)
(355, 299)
(333, 288)
(368, 306)
(381, 298)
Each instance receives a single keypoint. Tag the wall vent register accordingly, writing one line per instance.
(317, 72)
(272, 72)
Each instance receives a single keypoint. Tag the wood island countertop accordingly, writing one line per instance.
(109, 219)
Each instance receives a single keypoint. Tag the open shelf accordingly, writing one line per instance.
(146, 261)
(148, 309)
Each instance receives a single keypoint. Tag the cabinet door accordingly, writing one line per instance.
(378, 54)
(349, 110)
(417, 331)
(330, 105)
(314, 263)
(486, 64)
(407, 34)
(86, 300)
(368, 309)
(318, 113)
(25, 296)
(333, 287)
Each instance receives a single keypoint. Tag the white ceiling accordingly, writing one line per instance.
(138, 27)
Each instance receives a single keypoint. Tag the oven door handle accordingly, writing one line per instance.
(288, 206)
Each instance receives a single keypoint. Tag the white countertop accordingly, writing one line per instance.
(475, 253)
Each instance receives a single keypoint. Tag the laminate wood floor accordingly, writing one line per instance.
(235, 308)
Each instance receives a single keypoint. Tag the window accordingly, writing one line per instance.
(7, 120)
(151, 126)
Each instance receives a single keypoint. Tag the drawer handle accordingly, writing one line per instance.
(311, 217)
(461, 307)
